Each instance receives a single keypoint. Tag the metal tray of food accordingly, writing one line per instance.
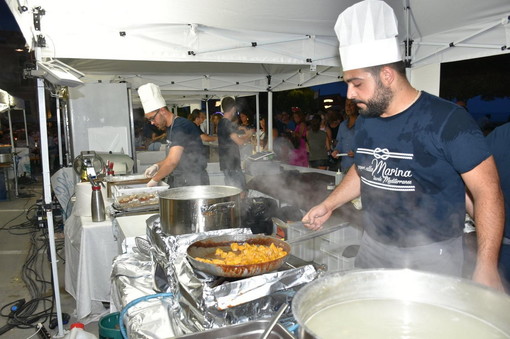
(248, 330)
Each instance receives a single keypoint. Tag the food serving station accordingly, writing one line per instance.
(162, 291)
(153, 282)
(203, 296)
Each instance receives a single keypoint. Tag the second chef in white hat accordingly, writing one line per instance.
(186, 161)
(416, 156)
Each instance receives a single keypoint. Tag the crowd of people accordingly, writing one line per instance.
(320, 140)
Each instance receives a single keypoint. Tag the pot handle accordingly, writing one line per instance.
(220, 207)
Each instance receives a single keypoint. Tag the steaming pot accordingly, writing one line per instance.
(400, 304)
(194, 209)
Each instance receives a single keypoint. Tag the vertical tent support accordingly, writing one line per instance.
(133, 131)
(47, 195)
(270, 121)
(59, 134)
(65, 119)
(257, 117)
(207, 116)
(25, 123)
(14, 156)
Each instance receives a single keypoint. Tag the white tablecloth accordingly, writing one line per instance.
(90, 248)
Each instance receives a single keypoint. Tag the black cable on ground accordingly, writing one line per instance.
(38, 310)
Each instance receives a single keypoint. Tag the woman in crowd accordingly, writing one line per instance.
(299, 155)
(318, 144)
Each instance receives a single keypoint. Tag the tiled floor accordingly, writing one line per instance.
(15, 244)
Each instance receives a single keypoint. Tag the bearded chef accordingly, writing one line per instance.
(186, 162)
(416, 157)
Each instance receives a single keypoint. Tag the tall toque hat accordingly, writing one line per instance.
(151, 98)
(367, 32)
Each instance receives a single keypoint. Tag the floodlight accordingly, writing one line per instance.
(58, 73)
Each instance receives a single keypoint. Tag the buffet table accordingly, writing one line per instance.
(89, 248)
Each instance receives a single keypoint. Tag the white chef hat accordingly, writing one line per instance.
(151, 98)
(367, 32)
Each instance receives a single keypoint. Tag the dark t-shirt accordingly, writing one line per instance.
(228, 150)
(185, 133)
(149, 129)
(410, 166)
(499, 141)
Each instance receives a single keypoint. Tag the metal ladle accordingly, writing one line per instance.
(274, 321)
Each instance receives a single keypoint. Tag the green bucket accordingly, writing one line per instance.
(109, 327)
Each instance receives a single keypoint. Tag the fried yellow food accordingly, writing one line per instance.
(245, 254)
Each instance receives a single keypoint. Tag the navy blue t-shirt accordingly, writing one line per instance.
(228, 150)
(185, 133)
(499, 141)
(410, 166)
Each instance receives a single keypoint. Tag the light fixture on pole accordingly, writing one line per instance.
(58, 73)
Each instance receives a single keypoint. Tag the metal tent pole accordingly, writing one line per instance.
(47, 195)
(257, 117)
(59, 134)
(270, 120)
(13, 152)
(65, 118)
(207, 115)
(25, 122)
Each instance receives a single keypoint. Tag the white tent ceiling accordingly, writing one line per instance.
(206, 47)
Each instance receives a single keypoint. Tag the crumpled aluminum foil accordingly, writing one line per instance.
(202, 301)
(132, 277)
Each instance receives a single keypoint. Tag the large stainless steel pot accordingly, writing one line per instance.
(194, 209)
(400, 304)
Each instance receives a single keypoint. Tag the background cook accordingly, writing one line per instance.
(186, 160)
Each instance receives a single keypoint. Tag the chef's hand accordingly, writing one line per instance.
(152, 183)
(316, 217)
(334, 153)
(488, 276)
(350, 154)
(151, 171)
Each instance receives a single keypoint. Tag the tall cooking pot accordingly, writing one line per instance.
(194, 209)
(400, 304)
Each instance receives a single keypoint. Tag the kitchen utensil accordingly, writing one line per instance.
(207, 247)
(88, 162)
(274, 321)
(311, 234)
(399, 303)
(194, 209)
(342, 155)
(246, 330)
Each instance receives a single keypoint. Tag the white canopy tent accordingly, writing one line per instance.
(134, 41)
(207, 48)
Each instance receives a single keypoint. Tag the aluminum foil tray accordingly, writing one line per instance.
(248, 330)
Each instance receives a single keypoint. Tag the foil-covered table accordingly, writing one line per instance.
(200, 301)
